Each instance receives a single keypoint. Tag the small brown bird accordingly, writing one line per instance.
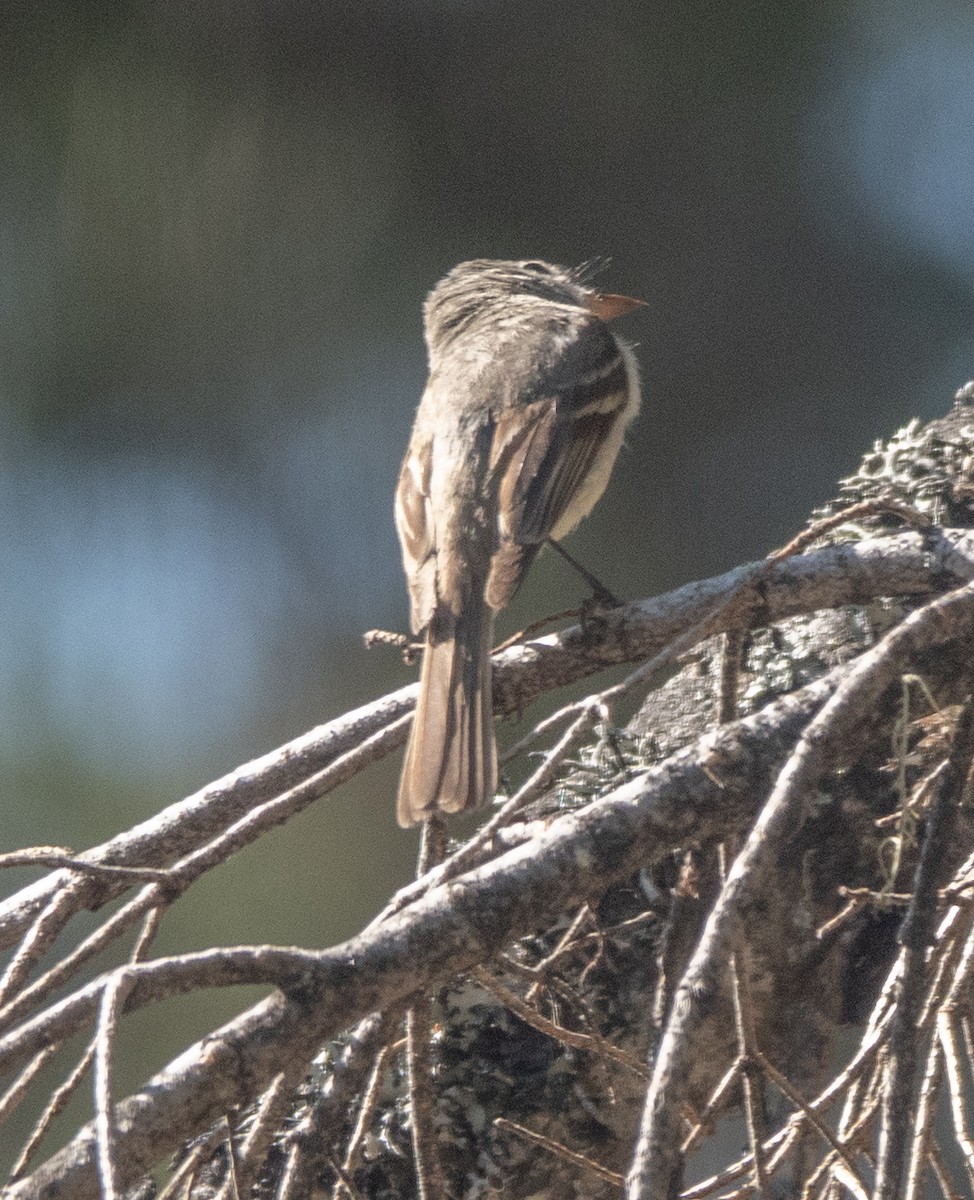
(528, 397)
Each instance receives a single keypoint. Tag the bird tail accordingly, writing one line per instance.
(451, 759)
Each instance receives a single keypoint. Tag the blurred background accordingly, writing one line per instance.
(217, 226)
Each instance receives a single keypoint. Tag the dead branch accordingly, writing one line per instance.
(533, 958)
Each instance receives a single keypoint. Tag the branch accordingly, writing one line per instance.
(708, 790)
(854, 573)
(657, 1165)
(916, 937)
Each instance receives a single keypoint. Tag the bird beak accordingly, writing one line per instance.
(607, 305)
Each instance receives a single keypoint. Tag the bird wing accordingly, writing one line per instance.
(414, 523)
(544, 452)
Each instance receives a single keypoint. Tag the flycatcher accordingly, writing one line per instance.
(528, 397)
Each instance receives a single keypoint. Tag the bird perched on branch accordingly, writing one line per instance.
(522, 419)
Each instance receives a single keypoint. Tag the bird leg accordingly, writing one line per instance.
(599, 591)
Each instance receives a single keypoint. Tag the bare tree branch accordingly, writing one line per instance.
(706, 791)
(916, 936)
(587, 894)
(657, 1164)
(851, 573)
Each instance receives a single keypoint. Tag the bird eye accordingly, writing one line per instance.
(539, 267)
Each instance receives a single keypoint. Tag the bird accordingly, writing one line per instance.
(515, 437)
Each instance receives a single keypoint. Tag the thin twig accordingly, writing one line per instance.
(60, 1098)
(363, 1122)
(854, 512)
(815, 1177)
(232, 1186)
(741, 1003)
(779, 1143)
(183, 1174)
(528, 632)
(556, 1148)
(957, 996)
(344, 1179)
(916, 935)
(592, 1042)
(942, 1175)
(147, 934)
(562, 946)
(808, 1111)
(858, 899)
(959, 1087)
(113, 1000)
(40, 936)
(944, 962)
(923, 1122)
(13, 1096)
(861, 1103)
(264, 1125)
(850, 1181)
(62, 857)
(53, 1109)
(430, 1180)
(717, 1097)
(730, 1173)
(753, 1101)
(422, 1102)
(30, 997)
